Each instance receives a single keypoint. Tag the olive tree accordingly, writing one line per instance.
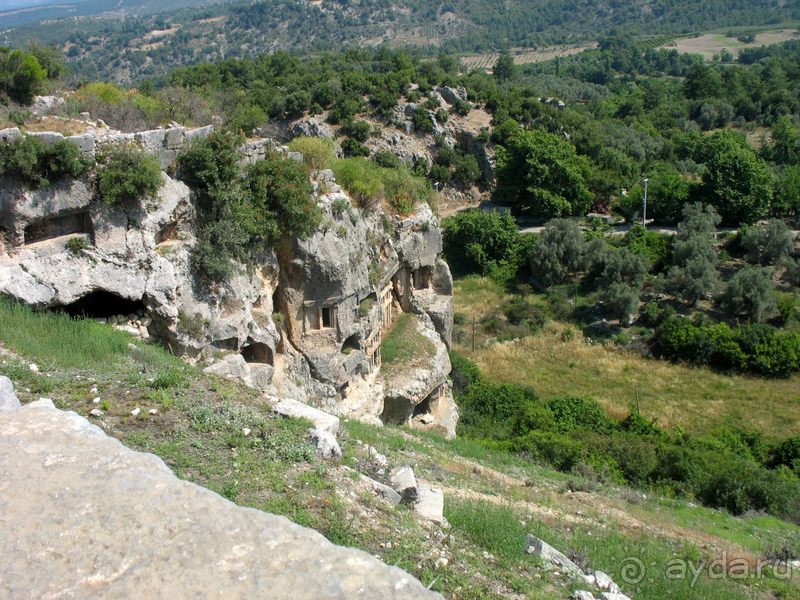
(559, 253)
(768, 244)
(694, 274)
(751, 292)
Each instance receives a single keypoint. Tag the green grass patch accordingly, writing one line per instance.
(60, 339)
(369, 184)
(405, 345)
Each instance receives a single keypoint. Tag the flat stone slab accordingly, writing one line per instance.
(549, 554)
(82, 516)
(322, 420)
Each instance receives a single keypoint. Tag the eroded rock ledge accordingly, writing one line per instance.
(304, 322)
(85, 517)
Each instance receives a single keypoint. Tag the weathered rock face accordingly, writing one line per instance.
(304, 323)
(84, 516)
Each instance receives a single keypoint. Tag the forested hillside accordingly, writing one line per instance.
(113, 46)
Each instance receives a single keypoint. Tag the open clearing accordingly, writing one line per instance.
(555, 364)
(713, 43)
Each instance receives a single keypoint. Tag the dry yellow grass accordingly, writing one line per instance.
(696, 398)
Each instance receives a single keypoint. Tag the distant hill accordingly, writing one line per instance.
(16, 13)
(131, 42)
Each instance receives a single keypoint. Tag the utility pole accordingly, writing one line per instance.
(644, 211)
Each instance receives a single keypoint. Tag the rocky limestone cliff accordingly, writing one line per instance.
(86, 517)
(306, 322)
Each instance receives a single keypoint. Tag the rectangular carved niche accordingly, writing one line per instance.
(54, 227)
(319, 318)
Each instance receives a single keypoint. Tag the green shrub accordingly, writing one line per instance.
(519, 310)
(787, 453)
(758, 348)
(129, 174)
(622, 300)
(573, 413)
(421, 120)
(352, 147)
(75, 245)
(476, 241)
(552, 448)
(463, 372)
(368, 183)
(387, 160)
(36, 165)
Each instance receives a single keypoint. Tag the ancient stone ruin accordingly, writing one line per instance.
(305, 323)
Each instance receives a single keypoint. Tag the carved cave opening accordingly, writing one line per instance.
(422, 278)
(424, 407)
(54, 227)
(101, 305)
(258, 353)
(351, 343)
(227, 344)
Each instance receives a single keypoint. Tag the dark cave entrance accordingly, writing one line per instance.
(258, 353)
(101, 305)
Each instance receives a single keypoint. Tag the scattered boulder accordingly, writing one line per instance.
(613, 596)
(450, 95)
(583, 595)
(604, 582)
(383, 491)
(430, 503)
(326, 426)
(405, 484)
(549, 554)
(8, 399)
(327, 446)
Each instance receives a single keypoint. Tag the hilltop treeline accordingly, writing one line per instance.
(616, 128)
(111, 48)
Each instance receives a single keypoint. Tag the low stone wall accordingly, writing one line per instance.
(84, 516)
(165, 143)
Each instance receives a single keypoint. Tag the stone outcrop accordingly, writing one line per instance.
(306, 322)
(84, 516)
(8, 399)
(550, 555)
(311, 127)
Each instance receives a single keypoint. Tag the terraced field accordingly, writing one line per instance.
(522, 56)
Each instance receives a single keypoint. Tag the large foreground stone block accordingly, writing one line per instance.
(85, 517)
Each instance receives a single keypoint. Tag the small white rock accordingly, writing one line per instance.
(441, 562)
(96, 412)
(96, 400)
(33, 367)
(135, 412)
(153, 411)
(94, 390)
(246, 432)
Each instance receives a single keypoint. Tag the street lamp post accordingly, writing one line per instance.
(644, 210)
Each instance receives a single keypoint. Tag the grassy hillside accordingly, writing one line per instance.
(493, 499)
